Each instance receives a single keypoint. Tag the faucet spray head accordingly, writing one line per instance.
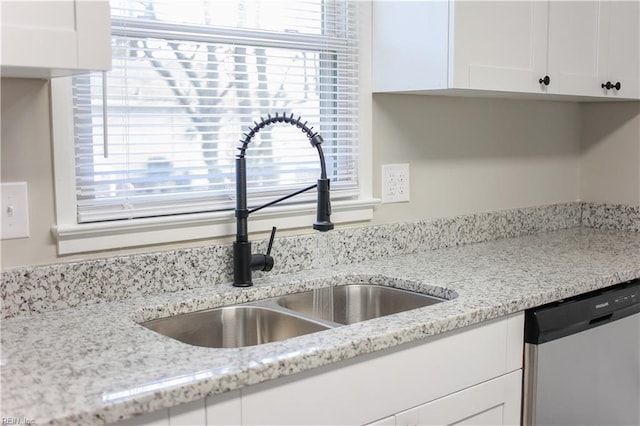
(323, 222)
(323, 209)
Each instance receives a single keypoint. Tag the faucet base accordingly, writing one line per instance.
(323, 226)
(242, 264)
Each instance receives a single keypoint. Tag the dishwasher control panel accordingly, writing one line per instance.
(614, 298)
(582, 312)
(628, 299)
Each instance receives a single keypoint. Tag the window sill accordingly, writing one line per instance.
(82, 238)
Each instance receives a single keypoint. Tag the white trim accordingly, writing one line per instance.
(129, 27)
(80, 238)
(365, 99)
(63, 150)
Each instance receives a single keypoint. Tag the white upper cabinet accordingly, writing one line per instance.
(575, 46)
(562, 48)
(622, 51)
(43, 39)
(498, 46)
(594, 48)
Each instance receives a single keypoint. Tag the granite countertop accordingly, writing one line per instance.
(95, 364)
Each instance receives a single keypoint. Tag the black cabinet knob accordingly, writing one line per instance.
(609, 85)
(546, 80)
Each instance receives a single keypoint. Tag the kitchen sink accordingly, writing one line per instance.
(353, 303)
(233, 326)
(283, 317)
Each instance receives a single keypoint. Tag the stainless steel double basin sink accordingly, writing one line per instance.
(288, 316)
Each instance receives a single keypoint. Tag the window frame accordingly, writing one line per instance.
(73, 237)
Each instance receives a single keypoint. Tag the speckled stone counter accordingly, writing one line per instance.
(28, 290)
(94, 363)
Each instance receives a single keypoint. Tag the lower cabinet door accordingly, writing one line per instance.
(495, 402)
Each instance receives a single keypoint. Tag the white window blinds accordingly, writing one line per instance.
(189, 78)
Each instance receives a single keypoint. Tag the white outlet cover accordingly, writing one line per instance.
(14, 212)
(395, 183)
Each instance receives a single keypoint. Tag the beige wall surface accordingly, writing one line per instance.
(466, 156)
(610, 158)
(471, 155)
(27, 157)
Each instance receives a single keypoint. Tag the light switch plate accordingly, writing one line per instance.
(14, 213)
(395, 183)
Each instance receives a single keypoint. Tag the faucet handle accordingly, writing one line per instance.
(264, 262)
(273, 235)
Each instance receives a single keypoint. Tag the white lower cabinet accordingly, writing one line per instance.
(468, 376)
(495, 402)
(219, 410)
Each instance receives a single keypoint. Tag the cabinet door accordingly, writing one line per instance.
(577, 39)
(38, 34)
(622, 52)
(374, 386)
(499, 45)
(43, 39)
(496, 402)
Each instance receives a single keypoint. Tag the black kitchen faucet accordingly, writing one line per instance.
(243, 260)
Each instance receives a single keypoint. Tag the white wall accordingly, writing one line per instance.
(610, 158)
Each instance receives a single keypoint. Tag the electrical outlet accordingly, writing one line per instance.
(395, 183)
(14, 212)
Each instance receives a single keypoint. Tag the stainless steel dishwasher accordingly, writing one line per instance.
(582, 359)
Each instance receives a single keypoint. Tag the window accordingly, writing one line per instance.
(188, 79)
